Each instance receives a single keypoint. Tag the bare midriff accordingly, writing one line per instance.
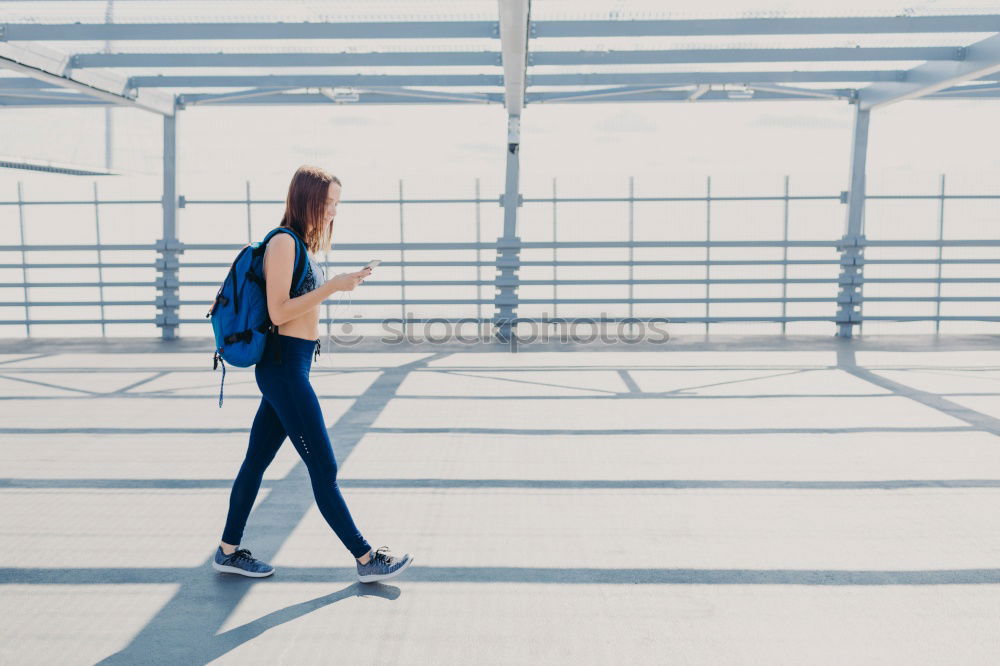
(305, 326)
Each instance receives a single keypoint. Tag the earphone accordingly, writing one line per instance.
(328, 347)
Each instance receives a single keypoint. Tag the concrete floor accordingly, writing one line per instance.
(731, 500)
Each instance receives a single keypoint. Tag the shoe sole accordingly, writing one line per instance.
(372, 578)
(243, 572)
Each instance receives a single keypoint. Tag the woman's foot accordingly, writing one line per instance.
(241, 562)
(383, 564)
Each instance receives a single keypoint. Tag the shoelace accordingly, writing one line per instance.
(382, 553)
(243, 554)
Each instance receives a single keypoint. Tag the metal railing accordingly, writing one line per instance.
(838, 253)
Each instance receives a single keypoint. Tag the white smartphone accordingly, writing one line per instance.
(373, 263)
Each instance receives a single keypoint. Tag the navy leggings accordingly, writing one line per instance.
(289, 407)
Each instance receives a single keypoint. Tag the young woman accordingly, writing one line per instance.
(289, 406)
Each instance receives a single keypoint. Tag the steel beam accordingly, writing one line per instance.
(514, 18)
(802, 92)
(489, 29)
(318, 81)
(287, 99)
(579, 79)
(87, 32)
(768, 26)
(852, 244)
(695, 78)
(981, 59)
(51, 67)
(493, 58)
(375, 59)
(54, 167)
(689, 56)
(661, 95)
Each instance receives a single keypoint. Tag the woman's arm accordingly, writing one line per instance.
(278, 278)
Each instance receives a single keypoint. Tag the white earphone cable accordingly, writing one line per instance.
(327, 349)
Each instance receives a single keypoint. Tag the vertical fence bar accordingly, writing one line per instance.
(708, 247)
(249, 229)
(631, 250)
(24, 258)
(940, 248)
(100, 259)
(784, 262)
(555, 251)
(479, 258)
(402, 258)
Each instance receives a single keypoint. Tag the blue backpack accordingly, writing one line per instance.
(239, 314)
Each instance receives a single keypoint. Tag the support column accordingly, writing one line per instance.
(508, 245)
(168, 247)
(851, 245)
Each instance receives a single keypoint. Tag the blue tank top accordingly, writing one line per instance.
(315, 277)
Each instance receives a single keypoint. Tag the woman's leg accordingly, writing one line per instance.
(299, 410)
(266, 436)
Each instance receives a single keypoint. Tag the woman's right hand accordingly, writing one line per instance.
(348, 281)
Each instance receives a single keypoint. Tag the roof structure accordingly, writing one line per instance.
(509, 52)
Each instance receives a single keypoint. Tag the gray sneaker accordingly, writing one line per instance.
(383, 564)
(241, 562)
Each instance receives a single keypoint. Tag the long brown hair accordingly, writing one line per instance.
(305, 205)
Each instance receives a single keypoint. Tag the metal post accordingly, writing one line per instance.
(100, 260)
(479, 270)
(24, 258)
(851, 279)
(508, 245)
(631, 251)
(555, 254)
(249, 228)
(784, 264)
(402, 258)
(169, 247)
(708, 248)
(108, 110)
(937, 313)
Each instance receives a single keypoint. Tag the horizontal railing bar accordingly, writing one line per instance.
(831, 243)
(484, 245)
(88, 265)
(187, 303)
(81, 321)
(492, 263)
(75, 248)
(484, 320)
(491, 283)
(451, 283)
(620, 263)
(496, 200)
(775, 197)
(88, 202)
(918, 318)
(17, 285)
(928, 299)
(74, 303)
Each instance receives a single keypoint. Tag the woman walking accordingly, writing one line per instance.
(289, 406)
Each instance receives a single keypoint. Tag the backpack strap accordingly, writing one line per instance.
(301, 257)
(300, 254)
